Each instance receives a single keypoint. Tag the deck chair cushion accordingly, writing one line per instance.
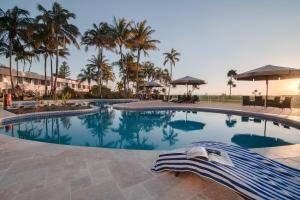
(253, 176)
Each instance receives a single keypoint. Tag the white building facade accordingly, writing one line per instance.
(30, 81)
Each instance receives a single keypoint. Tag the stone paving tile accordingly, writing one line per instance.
(128, 173)
(101, 175)
(217, 191)
(107, 190)
(55, 192)
(160, 185)
(80, 183)
(137, 192)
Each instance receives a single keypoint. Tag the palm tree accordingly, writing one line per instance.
(43, 43)
(57, 19)
(171, 57)
(21, 55)
(150, 71)
(141, 41)
(106, 73)
(88, 74)
(121, 35)
(231, 73)
(100, 37)
(13, 23)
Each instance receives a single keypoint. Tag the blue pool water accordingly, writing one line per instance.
(149, 130)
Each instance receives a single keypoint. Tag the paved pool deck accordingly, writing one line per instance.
(35, 170)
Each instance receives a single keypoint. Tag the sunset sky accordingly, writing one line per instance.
(212, 36)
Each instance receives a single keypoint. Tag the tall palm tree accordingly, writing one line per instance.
(171, 57)
(230, 74)
(63, 32)
(13, 23)
(88, 74)
(100, 36)
(141, 41)
(43, 43)
(121, 35)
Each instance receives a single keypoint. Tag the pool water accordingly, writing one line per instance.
(154, 130)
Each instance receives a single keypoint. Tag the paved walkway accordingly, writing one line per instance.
(34, 170)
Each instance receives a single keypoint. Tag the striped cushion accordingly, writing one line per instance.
(253, 176)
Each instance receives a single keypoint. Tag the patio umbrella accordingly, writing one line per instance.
(267, 73)
(188, 80)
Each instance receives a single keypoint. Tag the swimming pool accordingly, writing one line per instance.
(154, 130)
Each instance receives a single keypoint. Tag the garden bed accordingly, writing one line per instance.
(46, 108)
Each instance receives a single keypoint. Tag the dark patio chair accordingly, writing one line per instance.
(247, 101)
(274, 103)
(259, 101)
(286, 103)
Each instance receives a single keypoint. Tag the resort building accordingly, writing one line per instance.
(30, 81)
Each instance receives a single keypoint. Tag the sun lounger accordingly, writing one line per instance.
(253, 176)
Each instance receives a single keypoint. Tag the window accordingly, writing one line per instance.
(73, 85)
(83, 87)
(27, 80)
(79, 86)
(20, 80)
(1, 78)
(58, 84)
(36, 82)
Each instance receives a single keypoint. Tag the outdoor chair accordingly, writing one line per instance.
(273, 103)
(286, 103)
(247, 101)
(259, 101)
(253, 176)
(173, 99)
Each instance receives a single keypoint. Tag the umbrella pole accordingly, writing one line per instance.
(267, 88)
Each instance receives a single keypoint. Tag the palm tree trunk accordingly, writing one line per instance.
(17, 72)
(45, 70)
(230, 91)
(30, 63)
(137, 73)
(51, 71)
(56, 66)
(169, 83)
(122, 67)
(100, 56)
(10, 70)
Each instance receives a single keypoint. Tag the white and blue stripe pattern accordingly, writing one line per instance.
(253, 176)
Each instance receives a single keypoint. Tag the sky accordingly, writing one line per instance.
(213, 36)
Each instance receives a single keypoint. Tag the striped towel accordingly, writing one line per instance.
(253, 176)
